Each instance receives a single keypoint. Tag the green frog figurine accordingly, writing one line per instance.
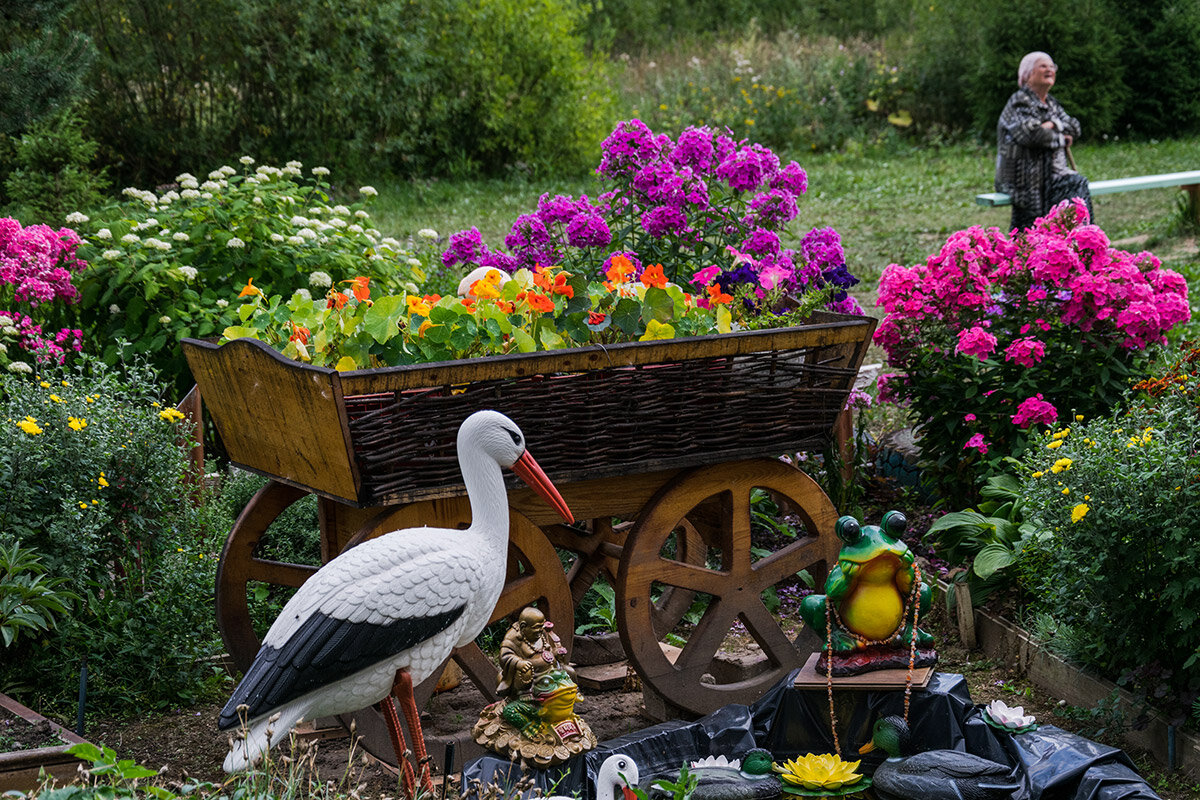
(870, 595)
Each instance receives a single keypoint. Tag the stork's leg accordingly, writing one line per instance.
(398, 744)
(403, 690)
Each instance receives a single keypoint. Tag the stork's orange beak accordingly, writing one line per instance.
(528, 470)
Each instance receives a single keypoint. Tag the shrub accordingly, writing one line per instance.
(36, 263)
(1118, 495)
(52, 174)
(431, 87)
(165, 265)
(793, 91)
(997, 334)
(95, 482)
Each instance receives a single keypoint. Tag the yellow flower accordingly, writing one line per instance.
(44, 384)
(56, 398)
(814, 771)
(171, 414)
(64, 383)
(1079, 417)
(1038, 474)
(83, 505)
(1079, 512)
(101, 480)
(30, 426)
(1067, 490)
(76, 423)
(155, 403)
(1064, 433)
(1060, 465)
(1054, 444)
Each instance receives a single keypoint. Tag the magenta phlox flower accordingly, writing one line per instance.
(748, 168)
(704, 277)
(530, 242)
(464, 247)
(1090, 239)
(561, 209)
(975, 341)
(660, 221)
(37, 261)
(846, 305)
(694, 149)
(762, 242)
(1034, 411)
(500, 260)
(792, 178)
(588, 229)
(977, 442)
(630, 146)
(1053, 262)
(1026, 351)
(774, 207)
(889, 387)
(969, 417)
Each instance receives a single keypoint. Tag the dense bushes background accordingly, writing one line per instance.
(431, 87)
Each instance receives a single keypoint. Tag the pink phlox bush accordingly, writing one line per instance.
(37, 264)
(1014, 326)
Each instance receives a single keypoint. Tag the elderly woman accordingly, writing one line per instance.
(1032, 138)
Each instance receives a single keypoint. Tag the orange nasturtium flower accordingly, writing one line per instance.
(653, 276)
(716, 296)
(541, 277)
(359, 286)
(560, 286)
(468, 303)
(595, 317)
(250, 288)
(539, 302)
(619, 269)
(417, 305)
(426, 325)
(337, 300)
(485, 289)
(505, 306)
(299, 334)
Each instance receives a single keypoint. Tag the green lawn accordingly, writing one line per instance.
(889, 209)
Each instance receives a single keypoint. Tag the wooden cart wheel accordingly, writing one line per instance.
(535, 577)
(239, 565)
(715, 501)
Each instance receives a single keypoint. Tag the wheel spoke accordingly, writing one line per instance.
(766, 631)
(688, 576)
(736, 533)
(518, 593)
(706, 640)
(280, 573)
(782, 563)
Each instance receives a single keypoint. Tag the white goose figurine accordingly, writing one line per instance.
(616, 775)
(385, 614)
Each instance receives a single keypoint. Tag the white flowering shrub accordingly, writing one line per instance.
(164, 265)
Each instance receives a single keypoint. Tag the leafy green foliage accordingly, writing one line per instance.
(43, 61)
(30, 601)
(445, 86)
(600, 607)
(96, 483)
(167, 265)
(1120, 514)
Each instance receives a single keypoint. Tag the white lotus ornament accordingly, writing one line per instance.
(1014, 720)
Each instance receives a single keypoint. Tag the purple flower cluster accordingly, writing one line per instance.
(37, 262)
(45, 348)
(671, 201)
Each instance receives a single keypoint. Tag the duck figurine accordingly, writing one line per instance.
(934, 774)
(866, 610)
(720, 778)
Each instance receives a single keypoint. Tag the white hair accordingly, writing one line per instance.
(1027, 64)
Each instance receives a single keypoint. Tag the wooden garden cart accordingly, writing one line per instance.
(678, 437)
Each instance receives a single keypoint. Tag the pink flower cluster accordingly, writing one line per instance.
(1061, 273)
(37, 262)
(1035, 411)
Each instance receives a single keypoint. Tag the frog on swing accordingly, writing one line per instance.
(873, 602)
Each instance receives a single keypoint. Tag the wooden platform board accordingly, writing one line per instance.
(809, 678)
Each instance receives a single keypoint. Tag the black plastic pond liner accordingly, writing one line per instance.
(1050, 763)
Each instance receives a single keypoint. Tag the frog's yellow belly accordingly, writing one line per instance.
(874, 608)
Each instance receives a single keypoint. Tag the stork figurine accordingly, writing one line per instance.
(385, 614)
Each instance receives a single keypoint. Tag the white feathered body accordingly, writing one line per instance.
(402, 601)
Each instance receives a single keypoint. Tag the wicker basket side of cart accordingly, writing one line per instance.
(386, 436)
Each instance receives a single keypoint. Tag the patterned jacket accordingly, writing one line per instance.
(1026, 153)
